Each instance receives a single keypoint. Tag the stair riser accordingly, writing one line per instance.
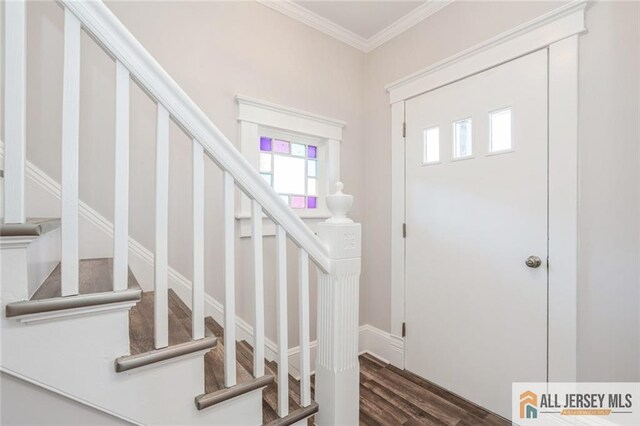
(76, 356)
(26, 263)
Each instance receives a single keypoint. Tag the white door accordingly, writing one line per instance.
(476, 209)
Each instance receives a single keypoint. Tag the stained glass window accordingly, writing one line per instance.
(291, 168)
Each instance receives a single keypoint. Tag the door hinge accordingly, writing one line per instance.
(404, 329)
(404, 230)
(404, 130)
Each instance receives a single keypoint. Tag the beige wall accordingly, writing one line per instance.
(609, 254)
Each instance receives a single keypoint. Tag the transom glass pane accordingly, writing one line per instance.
(265, 162)
(281, 146)
(431, 146)
(312, 168)
(462, 138)
(289, 175)
(298, 150)
(265, 143)
(312, 151)
(500, 130)
(297, 202)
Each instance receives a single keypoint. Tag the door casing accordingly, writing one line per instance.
(558, 31)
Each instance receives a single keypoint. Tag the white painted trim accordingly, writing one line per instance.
(268, 113)
(414, 17)
(15, 107)
(66, 395)
(558, 31)
(74, 313)
(312, 19)
(563, 210)
(397, 218)
(98, 20)
(536, 34)
(16, 242)
(381, 344)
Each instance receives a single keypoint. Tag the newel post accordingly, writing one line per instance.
(337, 365)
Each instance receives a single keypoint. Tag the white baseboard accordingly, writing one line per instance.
(371, 339)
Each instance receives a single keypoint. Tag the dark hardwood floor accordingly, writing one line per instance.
(390, 396)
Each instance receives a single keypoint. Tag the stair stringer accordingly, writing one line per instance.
(76, 356)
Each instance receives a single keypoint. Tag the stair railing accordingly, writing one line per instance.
(335, 251)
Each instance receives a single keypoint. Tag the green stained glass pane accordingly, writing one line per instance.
(298, 149)
(312, 168)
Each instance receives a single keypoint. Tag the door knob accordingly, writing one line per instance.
(533, 262)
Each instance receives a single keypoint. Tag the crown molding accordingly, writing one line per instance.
(412, 18)
(312, 19)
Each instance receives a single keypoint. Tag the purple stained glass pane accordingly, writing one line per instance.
(265, 143)
(281, 146)
(312, 151)
(312, 202)
(297, 202)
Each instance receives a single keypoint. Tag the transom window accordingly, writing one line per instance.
(291, 168)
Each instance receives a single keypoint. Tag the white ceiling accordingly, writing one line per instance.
(364, 18)
(363, 24)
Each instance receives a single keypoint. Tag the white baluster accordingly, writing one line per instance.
(121, 192)
(337, 365)
(229, 282)
(281, 323)
(258, 280)
(15, 128)
(303, 306)
(197, 302)
(70, 151)
(161, 302)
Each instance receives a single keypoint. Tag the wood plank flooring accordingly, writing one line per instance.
(388, 395)
(94, 276)
(391, 396)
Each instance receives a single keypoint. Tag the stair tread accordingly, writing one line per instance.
(214, 362)
(141, 334)
(34, 226)
(95, 276)
(141, 324)
(270, 394)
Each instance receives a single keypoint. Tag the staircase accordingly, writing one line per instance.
(85, 329)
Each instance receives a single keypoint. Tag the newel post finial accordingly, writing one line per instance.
(337, 366)
(339, 205)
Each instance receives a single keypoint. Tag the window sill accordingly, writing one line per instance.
(311, 218)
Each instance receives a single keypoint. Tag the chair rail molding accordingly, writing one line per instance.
(558, 32)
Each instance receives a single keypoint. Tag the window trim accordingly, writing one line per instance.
(256, 116)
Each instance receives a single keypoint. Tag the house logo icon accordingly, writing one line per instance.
(528, 405)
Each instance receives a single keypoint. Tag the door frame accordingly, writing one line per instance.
(558, 32)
